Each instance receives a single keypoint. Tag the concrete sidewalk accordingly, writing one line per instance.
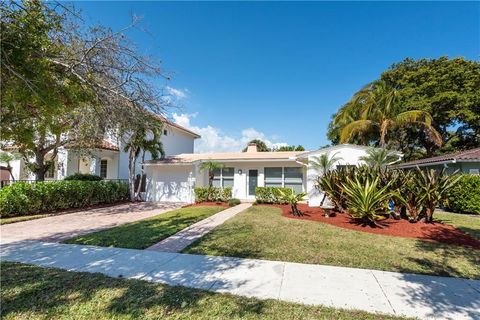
(369, 290)
(182, 239)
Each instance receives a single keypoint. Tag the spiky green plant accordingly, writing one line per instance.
(292, 199)
(368, 200)
(432, 187)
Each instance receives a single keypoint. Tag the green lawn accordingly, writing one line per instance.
(30, 292)
(144, 233)
(22, 218)
(262, 232)
(467, 223)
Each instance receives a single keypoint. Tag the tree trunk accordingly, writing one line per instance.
(383, 133)
(140, 182)
(39, 167)
(211, 176)
(131, 173)
(9, 169)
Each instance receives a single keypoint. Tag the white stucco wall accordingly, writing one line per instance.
(349, 154)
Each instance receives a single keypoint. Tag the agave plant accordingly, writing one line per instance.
(432, 187)
(330, 185)
(367, 201)
(293, 199)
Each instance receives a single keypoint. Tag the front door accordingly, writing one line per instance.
(252, 182)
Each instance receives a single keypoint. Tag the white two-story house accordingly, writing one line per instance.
(108, 160)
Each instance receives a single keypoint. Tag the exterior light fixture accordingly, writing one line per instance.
(239, 171)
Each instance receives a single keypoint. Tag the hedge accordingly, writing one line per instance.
(269, 195)
(213, 194)
(465, 195)
(84, 177)
(22, 198)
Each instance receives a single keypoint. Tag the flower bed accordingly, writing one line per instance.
(437, 232)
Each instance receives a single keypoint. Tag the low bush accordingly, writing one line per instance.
(84, 177)
(22, 198)
(233, 202)
(270, 195)
(212, 194)
(464, 197)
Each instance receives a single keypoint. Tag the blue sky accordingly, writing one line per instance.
(279, 70)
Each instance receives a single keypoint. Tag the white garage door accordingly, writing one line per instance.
(169, 184)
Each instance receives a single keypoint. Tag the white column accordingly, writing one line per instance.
(62, 163)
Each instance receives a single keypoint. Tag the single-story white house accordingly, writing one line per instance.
(174, 178)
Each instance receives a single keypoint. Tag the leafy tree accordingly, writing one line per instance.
(210, 167)
(67, 84)
(291, 148)
(448, 89)
(7, 158)
(261, 146)
(376, 109)
(379, 158)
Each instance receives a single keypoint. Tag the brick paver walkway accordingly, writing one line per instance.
(65, 226)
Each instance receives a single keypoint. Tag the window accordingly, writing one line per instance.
(474, 171)
(293, 179)
(274, 177)
(223, 178)
(287, 177)
(165, 132)
(103, 168)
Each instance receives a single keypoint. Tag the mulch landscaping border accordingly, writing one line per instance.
(436, 232)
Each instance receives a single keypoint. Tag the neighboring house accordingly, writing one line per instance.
(107, 159)
(174, 178)
(464, 161)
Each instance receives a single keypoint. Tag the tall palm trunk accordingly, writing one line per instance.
(131, 171)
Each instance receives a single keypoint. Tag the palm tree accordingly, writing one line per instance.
(376, 108)
(7, 158)
(138, 142)
(210, 167)
(324, 163)
(379, 158)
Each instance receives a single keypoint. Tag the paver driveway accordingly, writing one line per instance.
(61, 227)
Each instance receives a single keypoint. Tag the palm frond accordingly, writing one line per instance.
(354, 128)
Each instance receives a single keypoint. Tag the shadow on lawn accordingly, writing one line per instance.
(138, 235)
(26, 288)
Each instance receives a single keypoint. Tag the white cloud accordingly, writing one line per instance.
(177, 93)
(214, 140)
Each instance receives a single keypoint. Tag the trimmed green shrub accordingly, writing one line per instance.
(270, 195)
(212, 194)
(233, 202)
(465, 195)
(84, 177)
(22, 198)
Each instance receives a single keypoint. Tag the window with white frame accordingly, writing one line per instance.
(103, 168)
(223, 178)
(288, 177)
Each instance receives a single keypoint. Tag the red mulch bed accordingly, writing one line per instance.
(437, 232)
(207, 204)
